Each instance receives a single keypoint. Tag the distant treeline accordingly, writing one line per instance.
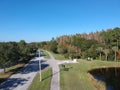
(103, 45)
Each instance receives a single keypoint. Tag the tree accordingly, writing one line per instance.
(22, 45)
(115, 37)
(100, 50)
(3, 56)
(53, 45)
(91, 52)
(106, 37)
(12, 52)
(106, 52)
(8, 54)
(115, 48)
(62, 49)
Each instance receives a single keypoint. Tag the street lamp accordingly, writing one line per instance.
(40, 67)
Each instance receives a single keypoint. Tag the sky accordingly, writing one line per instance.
(40, 20)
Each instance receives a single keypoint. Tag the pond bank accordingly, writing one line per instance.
(105, 78)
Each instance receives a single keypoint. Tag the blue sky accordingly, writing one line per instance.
(40, 20)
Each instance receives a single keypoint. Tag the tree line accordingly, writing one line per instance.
(12, 53)
(102, 45)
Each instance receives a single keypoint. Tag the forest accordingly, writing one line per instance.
(103, 45)
(12, 53)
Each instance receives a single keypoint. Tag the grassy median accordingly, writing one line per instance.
(45, 83)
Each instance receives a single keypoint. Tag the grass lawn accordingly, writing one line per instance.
(45, 83)
(75, 77)
(58, 56)
(9, 72)
(46, 55)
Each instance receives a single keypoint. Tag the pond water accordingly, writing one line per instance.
(111, 76)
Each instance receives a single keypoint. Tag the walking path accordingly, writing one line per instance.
(55, 82)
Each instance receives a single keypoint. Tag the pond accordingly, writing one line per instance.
(111, 77)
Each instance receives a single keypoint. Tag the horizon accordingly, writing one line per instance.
(37, 20)
(61, 36)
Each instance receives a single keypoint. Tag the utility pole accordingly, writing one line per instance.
(40, 67)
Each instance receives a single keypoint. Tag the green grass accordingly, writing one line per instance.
(75, 77)
(46, 55)
(58, 56)
(45, 83)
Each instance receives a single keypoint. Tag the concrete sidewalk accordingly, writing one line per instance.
(55, 82)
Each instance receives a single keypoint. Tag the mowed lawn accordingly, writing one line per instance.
(75, 77)
(46, 55)
(58, 56)
(45, 83)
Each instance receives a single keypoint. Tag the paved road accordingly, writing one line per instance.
(23, 78)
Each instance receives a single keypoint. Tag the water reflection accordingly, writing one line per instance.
(111, 76)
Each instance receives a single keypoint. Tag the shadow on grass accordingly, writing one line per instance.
(48, 76)
(61, 71)
(67, 69)
(64, 67)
